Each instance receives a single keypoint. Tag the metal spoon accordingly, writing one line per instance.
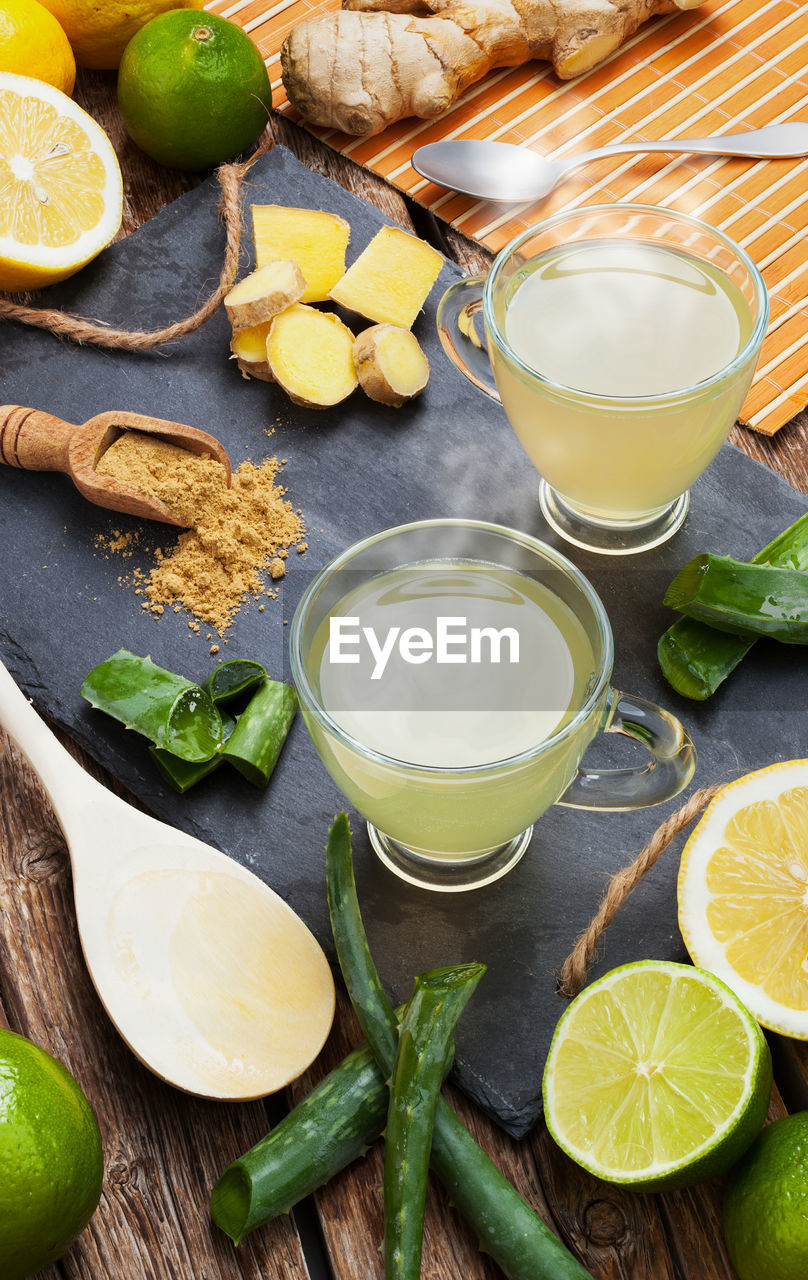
(195, 959)
(501, 171)
(38, 441)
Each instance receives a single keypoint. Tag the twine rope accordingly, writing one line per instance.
(622, 885)
(82, 331)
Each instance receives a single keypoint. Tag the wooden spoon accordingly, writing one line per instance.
(212, 980)
(38, 441)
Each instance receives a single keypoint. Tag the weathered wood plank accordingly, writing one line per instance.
(163, 1149)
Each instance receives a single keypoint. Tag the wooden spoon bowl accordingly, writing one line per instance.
(210, 977)
(37, 441)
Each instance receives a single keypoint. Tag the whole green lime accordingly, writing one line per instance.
(51, 1165)
(766, 1204)
(193, 90)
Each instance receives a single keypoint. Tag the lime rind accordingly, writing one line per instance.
(611, 1106)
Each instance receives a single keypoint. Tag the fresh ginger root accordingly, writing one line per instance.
(317, 241)
(390, 364)
(391, 278)
(310, 354)
(263, 294)
(377, 61)
(249, 346)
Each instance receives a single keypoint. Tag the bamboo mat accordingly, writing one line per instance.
(730, 65)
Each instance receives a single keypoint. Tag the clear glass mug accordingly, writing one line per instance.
(457, 827)
(615, 469)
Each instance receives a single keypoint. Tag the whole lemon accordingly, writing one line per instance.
(99, 30)
(766, 1204)
(51, 1164)
(193, 90)
(32, 43)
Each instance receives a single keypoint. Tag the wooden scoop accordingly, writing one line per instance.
(209, 976)
(38, 441)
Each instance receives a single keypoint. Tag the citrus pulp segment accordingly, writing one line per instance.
(656, 1077)
(61, 195)
(743, 893)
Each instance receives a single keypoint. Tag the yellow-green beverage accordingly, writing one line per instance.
(447, 666)
(452, 674)
(609, 325)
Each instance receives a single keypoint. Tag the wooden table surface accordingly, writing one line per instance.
(163, 1149)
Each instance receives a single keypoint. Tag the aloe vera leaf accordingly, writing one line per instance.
(327, 1130)
(694, 657)
(424, 1040)
(184, 774)
(519, 1241)
(261, 731)
(232, 679)
(749, 600)
(172, 712)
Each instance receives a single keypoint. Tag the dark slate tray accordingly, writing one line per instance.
(355, 470)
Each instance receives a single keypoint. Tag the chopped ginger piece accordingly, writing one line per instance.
(315, 240)
(310, 354)
(390, 364)
(264, 293)
(249, 346)
(390, 281)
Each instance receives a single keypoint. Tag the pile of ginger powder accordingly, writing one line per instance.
(234, 534)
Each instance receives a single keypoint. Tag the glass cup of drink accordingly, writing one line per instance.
(622, 340)
(452, 674)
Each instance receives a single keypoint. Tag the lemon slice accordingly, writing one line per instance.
(743, 893)
(61, 195)
(657, 1077)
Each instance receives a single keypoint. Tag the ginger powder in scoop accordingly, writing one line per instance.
(235, 534)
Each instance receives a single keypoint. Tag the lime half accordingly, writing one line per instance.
(657, 1077)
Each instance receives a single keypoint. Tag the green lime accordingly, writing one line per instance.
(193, 89)
(766, 1205)
(51, 1164)
(657, 1076)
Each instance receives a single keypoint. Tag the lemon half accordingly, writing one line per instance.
(61, 195)
(743, 893)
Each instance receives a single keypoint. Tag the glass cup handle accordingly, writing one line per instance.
(462, 332)
(672, 763)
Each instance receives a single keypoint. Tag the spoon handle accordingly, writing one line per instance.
(63, 778)
(34, 440)
(775, 142)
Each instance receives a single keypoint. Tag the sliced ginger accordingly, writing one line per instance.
(391, 278)
(390, 364)
(249, 346)
(317, 241)
(310, 354)
(264, 293)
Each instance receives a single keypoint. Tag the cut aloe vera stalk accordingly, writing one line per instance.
(232, 679)
(745, 599)
(172, 712)
(695, 658)
(657, 1077)
(184, 774)
(261, 731)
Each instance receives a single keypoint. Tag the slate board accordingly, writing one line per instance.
(354, 470)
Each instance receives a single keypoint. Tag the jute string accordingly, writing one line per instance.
(622, 885)
(77, 329)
